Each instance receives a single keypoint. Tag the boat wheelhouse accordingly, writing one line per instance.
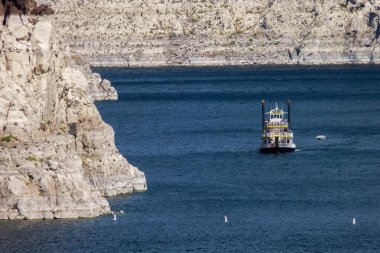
(277, 136)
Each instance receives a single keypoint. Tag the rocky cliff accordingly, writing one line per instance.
(57, 156)
(218, 32)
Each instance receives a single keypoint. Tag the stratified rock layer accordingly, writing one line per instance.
(57, 156)
(210, 32)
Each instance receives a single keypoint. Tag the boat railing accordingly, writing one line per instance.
(281, 124)
(280, 135)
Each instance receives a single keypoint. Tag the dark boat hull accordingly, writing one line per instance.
(277, 150)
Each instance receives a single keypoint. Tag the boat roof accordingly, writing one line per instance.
(276, 111)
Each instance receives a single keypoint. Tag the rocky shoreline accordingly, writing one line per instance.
(58, 158)
(229, 32)
(216, 64)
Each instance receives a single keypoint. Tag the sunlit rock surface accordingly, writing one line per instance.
(57, 157)
(210, 32)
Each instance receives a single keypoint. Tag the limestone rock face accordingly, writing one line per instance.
(45, 179)
(41, 40)
(99, 89)
(57, 157)
(210, 32)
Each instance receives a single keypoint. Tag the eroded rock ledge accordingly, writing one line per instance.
(57, 157)
(221, 32)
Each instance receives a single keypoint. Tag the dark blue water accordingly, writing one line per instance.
(195, 132)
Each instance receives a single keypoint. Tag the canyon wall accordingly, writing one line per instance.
(57, 157)
(221, 32)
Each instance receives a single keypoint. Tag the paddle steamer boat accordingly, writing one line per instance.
(277, 136)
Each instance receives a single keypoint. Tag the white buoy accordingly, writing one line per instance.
(321, 137)
(225, 219)
(114, 217)
(121, 211)
(353, 221)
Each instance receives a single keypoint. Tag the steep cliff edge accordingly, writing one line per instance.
(57, 156)
(210, 32)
